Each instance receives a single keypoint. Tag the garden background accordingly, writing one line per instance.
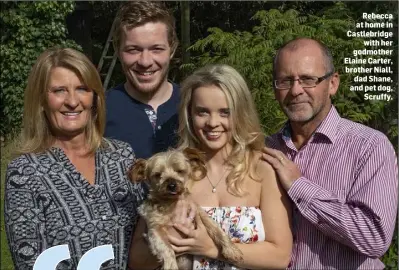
(244, 34)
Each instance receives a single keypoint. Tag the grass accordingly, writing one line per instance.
(390, 259)
(6, 261)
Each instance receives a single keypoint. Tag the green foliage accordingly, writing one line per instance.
(6, 261)
(252, 54)
(390, 259)
(28, 28)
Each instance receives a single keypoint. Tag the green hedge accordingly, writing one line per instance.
(28, 28)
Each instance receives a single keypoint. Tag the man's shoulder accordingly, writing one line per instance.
(119, 87)
(273, 140)
(115, 92)
(176, 87)
(360, 132)
(118, 103)
(176, 92)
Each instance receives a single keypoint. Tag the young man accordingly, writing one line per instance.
(143, 110)
(341, 176)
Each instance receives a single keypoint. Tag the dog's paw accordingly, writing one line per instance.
(232, 254)
(170, 265)
(185, 262)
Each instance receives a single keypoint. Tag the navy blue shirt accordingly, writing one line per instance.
(127, 121)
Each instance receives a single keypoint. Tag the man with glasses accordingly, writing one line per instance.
(340, 175)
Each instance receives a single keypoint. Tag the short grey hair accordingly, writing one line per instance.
(299, 42)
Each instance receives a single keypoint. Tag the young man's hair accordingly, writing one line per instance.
(247, 136)
(137, 13)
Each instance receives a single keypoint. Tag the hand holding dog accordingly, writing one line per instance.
(168, 206)
(286, 169)
(184, 214)
(197, 241)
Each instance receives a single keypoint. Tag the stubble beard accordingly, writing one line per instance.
(306, 115)
(146, 91)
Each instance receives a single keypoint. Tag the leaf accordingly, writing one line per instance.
(27, 33)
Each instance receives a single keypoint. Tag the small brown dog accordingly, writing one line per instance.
(167, 174)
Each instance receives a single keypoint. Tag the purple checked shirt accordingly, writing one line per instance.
(345, 202)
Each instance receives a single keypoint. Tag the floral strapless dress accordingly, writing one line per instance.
(243, 225)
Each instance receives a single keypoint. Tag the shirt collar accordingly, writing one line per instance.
(328, 127)
(175, 97)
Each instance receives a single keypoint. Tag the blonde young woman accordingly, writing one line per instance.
(240, 192)
(68, 186)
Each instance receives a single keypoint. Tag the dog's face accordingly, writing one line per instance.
(168, 172)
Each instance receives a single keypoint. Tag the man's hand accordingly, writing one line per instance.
(287, 171)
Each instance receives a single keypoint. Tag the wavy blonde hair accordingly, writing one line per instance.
(36, 133)
(247, 136)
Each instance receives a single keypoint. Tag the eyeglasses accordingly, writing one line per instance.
(304, 81)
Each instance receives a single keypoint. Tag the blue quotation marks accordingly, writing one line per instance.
(91, 260)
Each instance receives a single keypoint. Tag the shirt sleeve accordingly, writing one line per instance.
(365, 220)
(22, 218)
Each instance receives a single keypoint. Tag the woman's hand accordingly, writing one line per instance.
(183, 214)
(197, 241)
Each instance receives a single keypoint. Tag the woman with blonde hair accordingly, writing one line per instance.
(68, 185)
(240, 192)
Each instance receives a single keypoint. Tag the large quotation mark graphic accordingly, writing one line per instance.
(49, 258)
(91, 260)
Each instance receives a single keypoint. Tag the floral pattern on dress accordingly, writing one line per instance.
(243, 224)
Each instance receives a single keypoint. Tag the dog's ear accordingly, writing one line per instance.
(197, 162)
(137, 172)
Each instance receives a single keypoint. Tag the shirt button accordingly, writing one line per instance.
(159, 127)
(299, 200)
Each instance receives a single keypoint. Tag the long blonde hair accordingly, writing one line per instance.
(247, 136)
(36, 133)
